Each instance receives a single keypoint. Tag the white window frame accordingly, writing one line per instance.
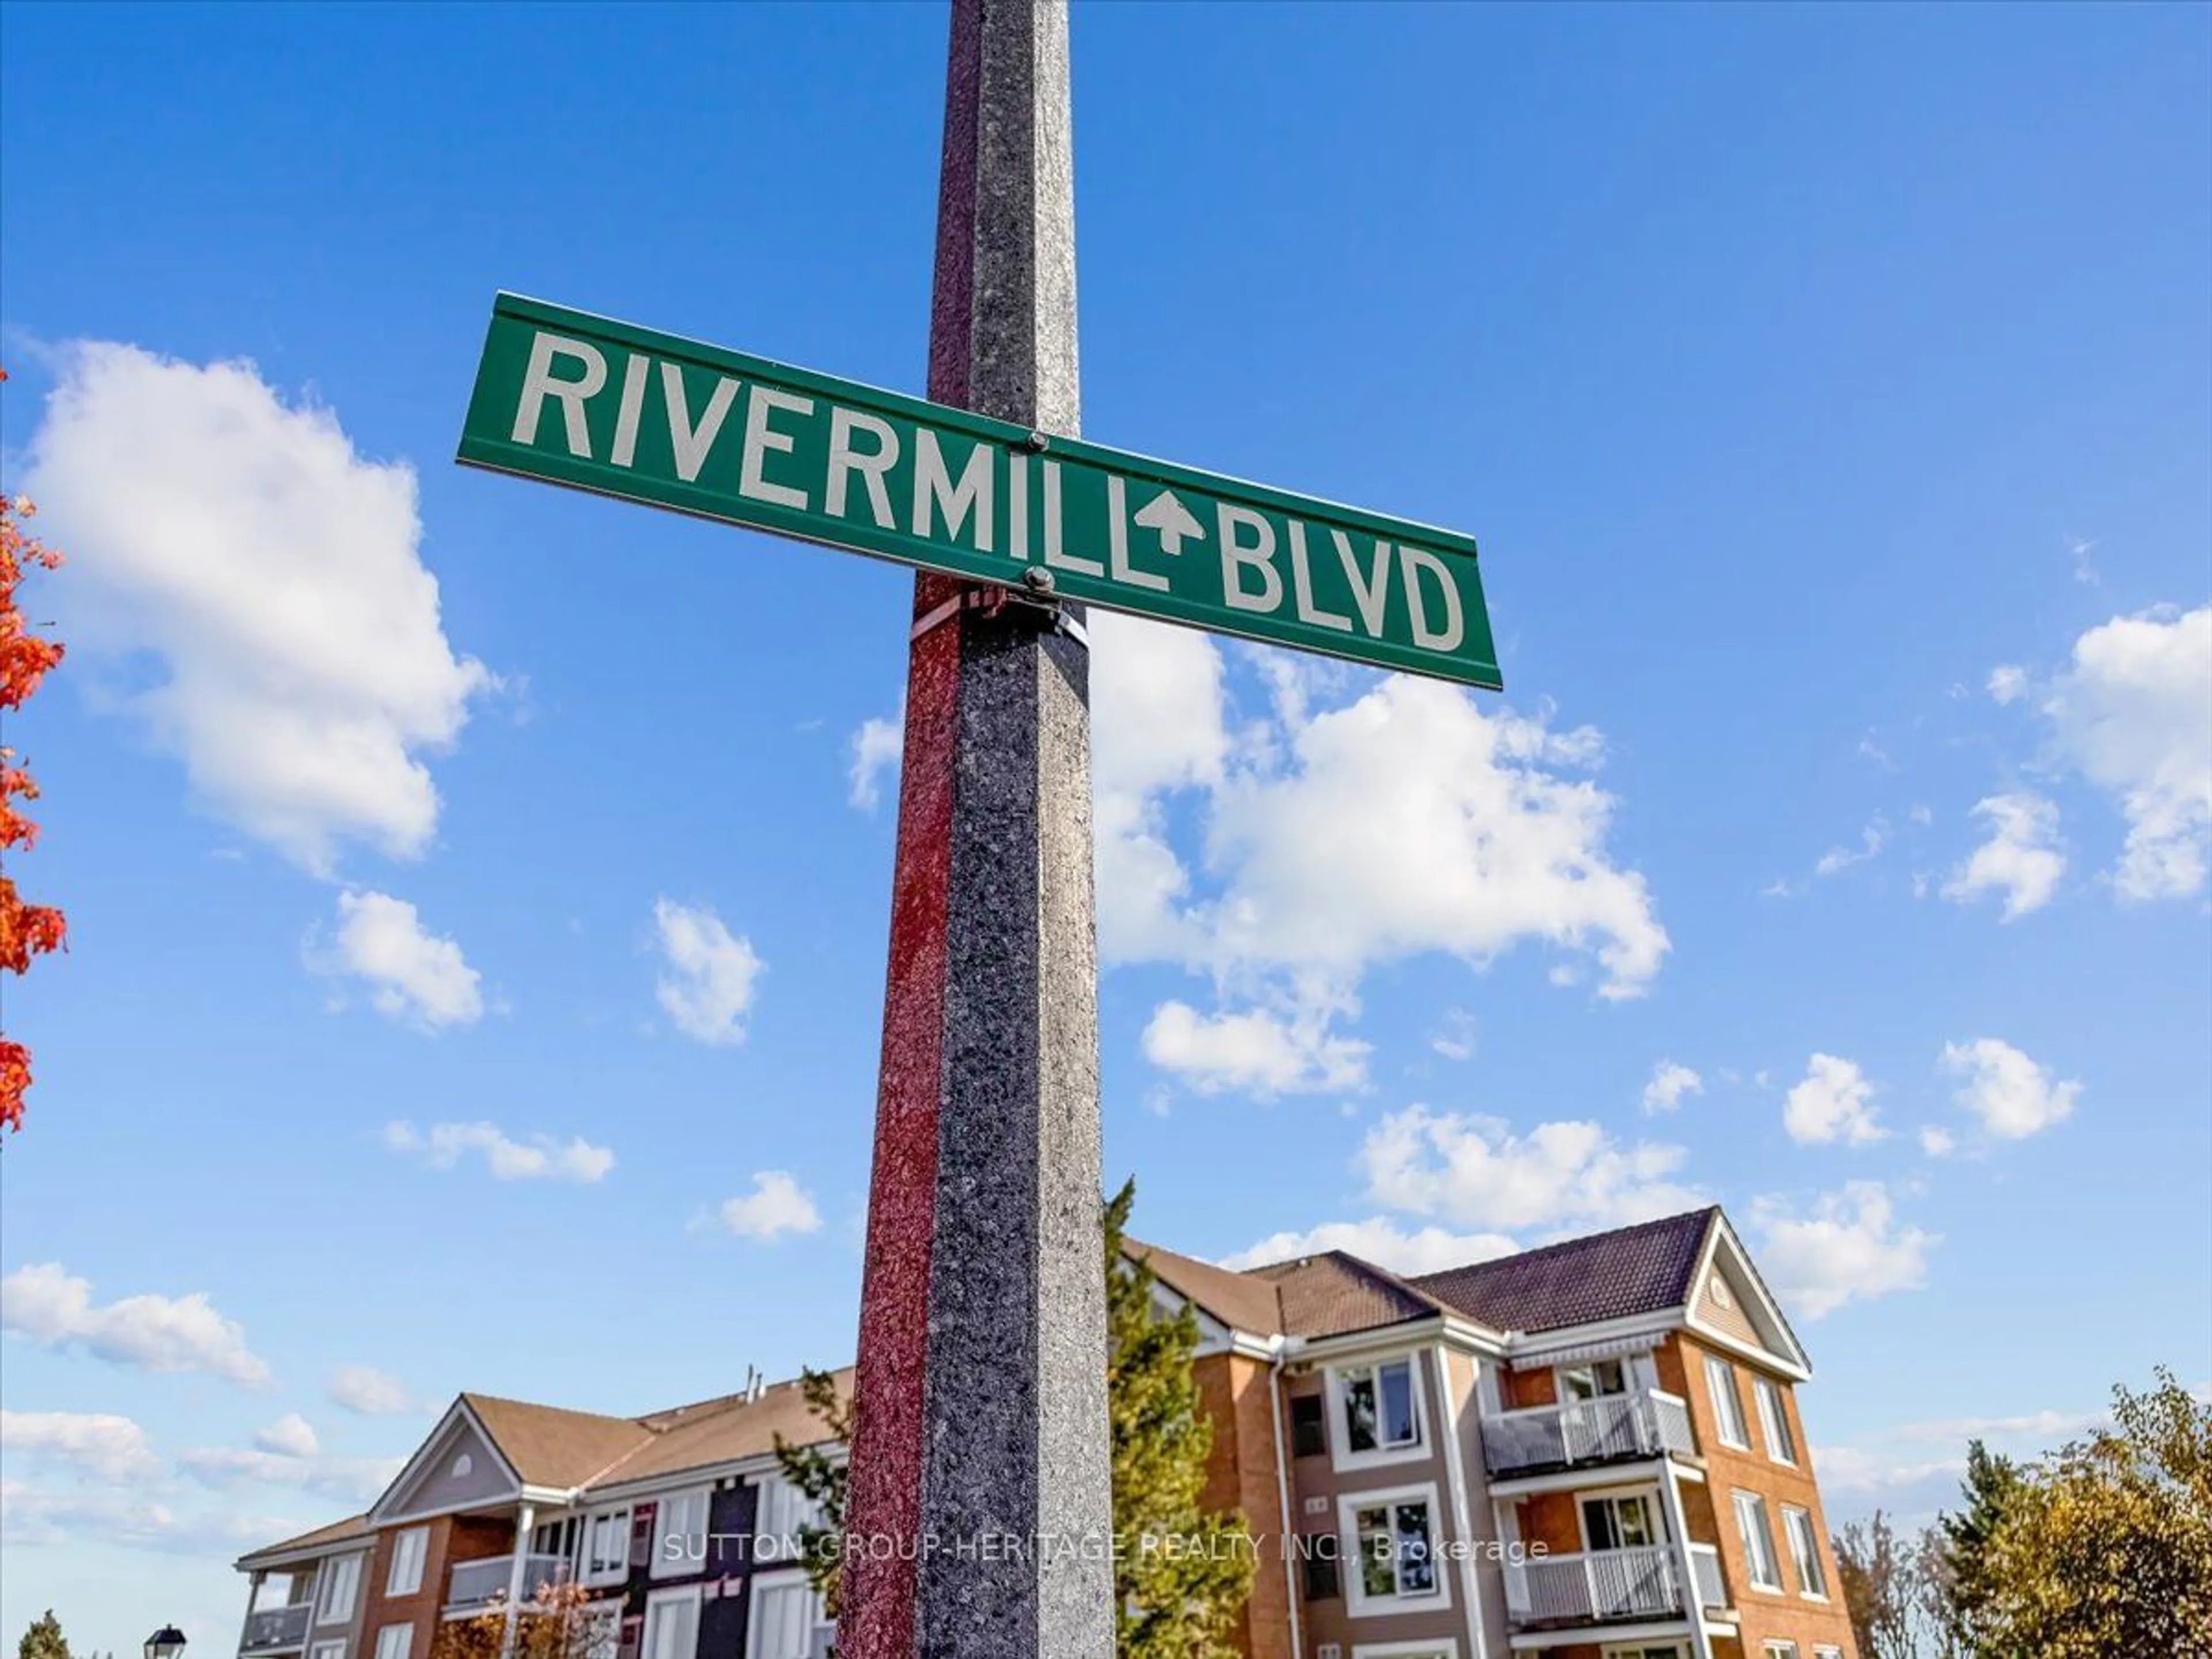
(411, 1548)
(1655, 1509)
(1559, 1373)
(1793, 1514)
(1738, 1499)
(585, 1574)
(669, 1598)
(1774, 1421)
(1442, 1646)
(335, 1649)
(326, 1576)
(1826, 1651)
(782, 1578)
(1342, 1456)
(1778, 1647)
(1357, 1604)
(1729, 1425)
(664, 1519)
(387, 1648)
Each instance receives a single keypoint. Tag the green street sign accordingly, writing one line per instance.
(576, 400)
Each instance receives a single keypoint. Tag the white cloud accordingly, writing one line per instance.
(1937, 1142)
(542, 1157)
(1872, 840)
(876, 749)
(1477, 1172)
(1334, 840)
(100, 1443)
(348, 1479)
(1254, 1051)
(708, 987)
(1160, 727)
(1834, 1101)
(1849, 1247)
(2021, 859)
(777, 1205)
(1456, 1040)
(30, 1514)
(2131, 714)
(1382, 1240)
(48, 1304)
(412, 976)
(2010, 1094)
(273, 577)
(1669, 1084)
(289, 1436)
(1858, 1469)
(2007, 684)
(367, 1392)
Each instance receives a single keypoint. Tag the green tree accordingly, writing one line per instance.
(2106, 1548)
(1992, 1486)
(44, 1640)
(1181, 1572)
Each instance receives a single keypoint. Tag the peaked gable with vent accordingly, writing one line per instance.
(458, 1467)
(1730, 1301)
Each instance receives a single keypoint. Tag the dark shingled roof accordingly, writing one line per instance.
(1631, 1270)
(1240, 1301)
(1330, 1294)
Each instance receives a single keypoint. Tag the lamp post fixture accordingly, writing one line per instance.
(165, 1643)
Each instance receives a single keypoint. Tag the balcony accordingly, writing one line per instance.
(1607, 1430)
(1599, 1587)
(476, 1583)
(274, 1629)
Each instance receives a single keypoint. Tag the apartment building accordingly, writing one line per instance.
(1587, 1451)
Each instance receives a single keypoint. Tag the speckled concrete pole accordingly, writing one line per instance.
(979, 1510)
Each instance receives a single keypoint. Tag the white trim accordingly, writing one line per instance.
(1731, 1428)
(1357, 1604)
(1443, 1647)
(405, 1629)
(1290, 1585)
(1655, 1511)
(1813, 1542)
(592, 1516)
(669, 1598)
(1536, 1641)
(1648, 1469)
(1574, 1354)
(780, 1578)
(658, 1563)
(336, 1644)
(1462, 1515)
(459, 1413)
(401, 1555)
(1342, 1457)
(321, 1617)
(1773, 1420)
(1766, 1535)
(1777, 1325)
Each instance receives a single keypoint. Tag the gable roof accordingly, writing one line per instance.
(724, 1430)
(549, 1446)
(1333, 1293)
(1242, 1301)
(1611, 1275)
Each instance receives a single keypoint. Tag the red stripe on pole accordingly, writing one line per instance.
(884, 1504)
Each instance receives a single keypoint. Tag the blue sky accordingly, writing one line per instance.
(1830, 392)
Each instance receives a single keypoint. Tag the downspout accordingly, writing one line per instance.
(1463, 1513)
(1283, 1499)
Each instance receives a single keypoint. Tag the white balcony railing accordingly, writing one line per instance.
(474, 1583)
(1595, 1588)
(273, 1628)
(1646, 1424)
(1705, 1569)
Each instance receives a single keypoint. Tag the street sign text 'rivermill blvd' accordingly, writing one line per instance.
(604, 406)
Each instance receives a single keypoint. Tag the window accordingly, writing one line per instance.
(1602, 1376)
(408, 1550)
(679, 1534)
(782, 1510)
(1777, 1650)
(1309, 1426)
(335, 1589)
(1381, 1412)
(606, 1556)
(327, 1650)
(1805, 1552)
(393, 1641)
(1623, 1522)
(1727, 1404)
(1392, 1536)
(672, 1625)
(1757, 1541)
(787, 1621)
(558, 1539)
(1774, 1421)
(1828, 1653)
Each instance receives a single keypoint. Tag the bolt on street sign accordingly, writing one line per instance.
(621, 411)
